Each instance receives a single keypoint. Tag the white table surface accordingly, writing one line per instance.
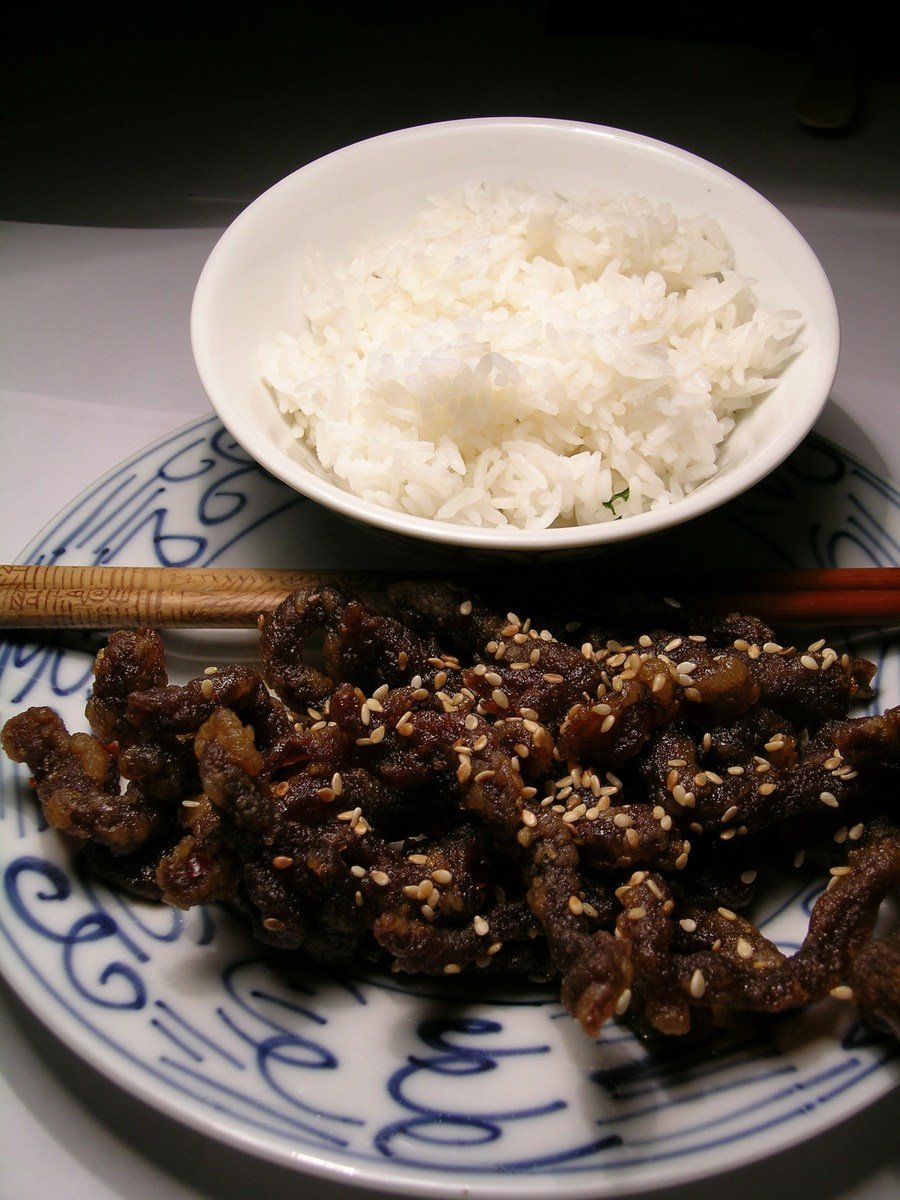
(96, 363)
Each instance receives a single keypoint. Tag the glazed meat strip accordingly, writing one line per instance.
(431, 783)
(78, 784)
(357, 645)
(691, 957)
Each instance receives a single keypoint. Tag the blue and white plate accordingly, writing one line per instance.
(427, 1089)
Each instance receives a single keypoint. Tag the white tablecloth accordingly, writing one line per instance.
(96, 363)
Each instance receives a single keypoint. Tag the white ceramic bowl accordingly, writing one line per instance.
(245, 294)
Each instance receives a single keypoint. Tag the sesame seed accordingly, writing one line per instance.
(748, 876)
(688, 925)
(466, 608)
(552, 678)
(727, 914)
(842, 992)
(856, 832)
(452, 969)
(692, 694)
(698, 984)
(281, 862)
(744, 949)
(607, 723)
(809, 662)
(499, 697)
(206, 687)
(576, 906)
(637, 913)
(623, 1002)
(273, 924)
(193, 803)
(380, 878)
(829, 798)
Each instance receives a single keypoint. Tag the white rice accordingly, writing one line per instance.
(515, 358)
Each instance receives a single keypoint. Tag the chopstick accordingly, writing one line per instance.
(85, 597)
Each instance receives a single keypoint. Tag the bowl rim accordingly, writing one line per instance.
(513, 538)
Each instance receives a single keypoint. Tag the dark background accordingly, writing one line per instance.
(180, 114)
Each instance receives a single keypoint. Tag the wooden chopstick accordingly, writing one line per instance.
(84, 597)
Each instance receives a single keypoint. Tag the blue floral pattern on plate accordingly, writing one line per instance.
(417, 1086)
